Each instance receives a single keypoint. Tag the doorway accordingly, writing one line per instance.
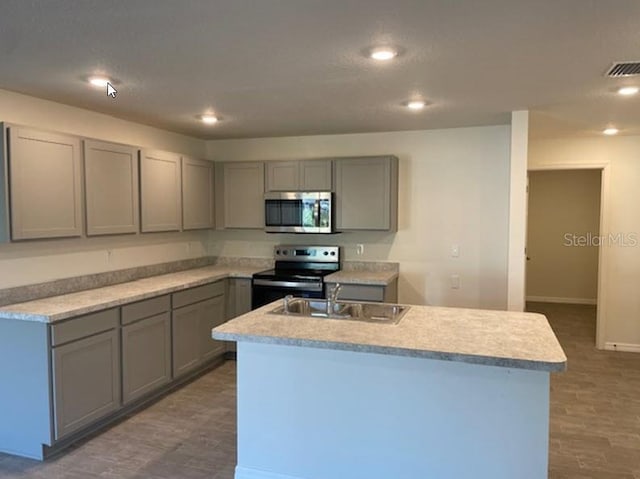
(564, 236)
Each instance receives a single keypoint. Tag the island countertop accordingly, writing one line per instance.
(493, 338)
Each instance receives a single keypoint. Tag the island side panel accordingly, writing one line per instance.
(25, 401)
(317, 413)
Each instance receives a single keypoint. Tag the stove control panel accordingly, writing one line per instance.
(324, 254)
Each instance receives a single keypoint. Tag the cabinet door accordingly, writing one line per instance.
(212, 315)
(315, 175)
(86, 381)
(282, 176)
(242, 296)
(186, 338)
(146, 356)
(197, 194)
(160, 191)
(111, 188)
(243, 195)
(45, 184)
(366, 193)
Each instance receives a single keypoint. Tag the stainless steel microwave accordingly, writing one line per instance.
(298, 212)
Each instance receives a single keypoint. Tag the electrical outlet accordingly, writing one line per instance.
(109, 254)
(359, 249)
(455, 281)
(455, 251)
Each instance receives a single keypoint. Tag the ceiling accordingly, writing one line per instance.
(297, 67)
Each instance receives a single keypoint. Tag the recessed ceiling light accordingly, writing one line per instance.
(383, 53)
(99, 82)
(628, 90)
(209, 119)
(610, 131)
(416, 104)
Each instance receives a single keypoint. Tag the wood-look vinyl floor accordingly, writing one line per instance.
(191, 434)
(188, 434)
(595, 405)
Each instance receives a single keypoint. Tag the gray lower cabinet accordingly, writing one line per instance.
(366, 193)
(186, 338)
(108, 359)
(238, 297)
(238, 302)
(368, 292)
(146, 356)
(111, 188)
(213, 314)
(86, 381)
(196, 311)
(45, 184)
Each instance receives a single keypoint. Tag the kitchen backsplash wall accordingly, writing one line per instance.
(453, 191)
(41, 261)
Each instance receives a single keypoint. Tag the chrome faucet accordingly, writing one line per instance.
(287, 300)
(332, 298)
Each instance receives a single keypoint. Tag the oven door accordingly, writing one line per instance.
(266, 291)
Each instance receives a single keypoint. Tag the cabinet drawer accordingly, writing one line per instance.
(199, 293)
(358, 292)
(145, 309)
(84, 326)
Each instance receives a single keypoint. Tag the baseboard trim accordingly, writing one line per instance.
(553, 299)
(626, 347)
(251, 473)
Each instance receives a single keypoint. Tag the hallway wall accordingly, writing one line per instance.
(563, 225)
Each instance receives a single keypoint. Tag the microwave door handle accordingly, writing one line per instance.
(317, 212)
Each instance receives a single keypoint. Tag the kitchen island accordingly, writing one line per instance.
(445, 393)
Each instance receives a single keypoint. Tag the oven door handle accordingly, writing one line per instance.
(289, 284)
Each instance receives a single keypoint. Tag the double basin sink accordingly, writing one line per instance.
(321, 308)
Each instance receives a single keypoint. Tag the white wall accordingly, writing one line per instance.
(517, 210)
(454, 189)
(618, 299)
(561, 268)
(33, 262)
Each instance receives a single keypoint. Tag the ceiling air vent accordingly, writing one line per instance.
(624, 69)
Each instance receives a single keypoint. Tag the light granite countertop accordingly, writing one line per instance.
(375, 273)
(56, 308)
(494, 338)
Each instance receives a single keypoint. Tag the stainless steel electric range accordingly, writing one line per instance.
(299, 271)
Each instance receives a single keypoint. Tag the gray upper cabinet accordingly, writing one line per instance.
(243, 195)
(197, 194)
(111, 188)
(282, 176)
(366, 193)
(315, 175)
(160, 191)
(45, 179)
(299, 175)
